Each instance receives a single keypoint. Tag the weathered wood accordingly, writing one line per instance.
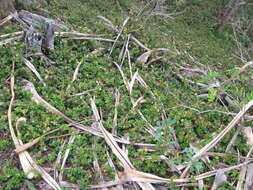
(40, 22)
(49, 35)
(33, 40)
(41, 32)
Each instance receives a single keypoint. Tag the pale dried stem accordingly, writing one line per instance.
(248, 65)
(243, 171)
(119, 34)
(9, 40)
(36, 97)
(65, 157)
(26, 160)
(117, 98)
(230, 126)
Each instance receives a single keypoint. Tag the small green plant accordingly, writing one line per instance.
(11, 178)
(4, 143)
(210, 77)
(212, 93)
(30, 185)
(190, 31)
(196, 164)
(164, 129)
(186, 159)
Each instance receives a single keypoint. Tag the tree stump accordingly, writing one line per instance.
(49, 36)
(33, 40)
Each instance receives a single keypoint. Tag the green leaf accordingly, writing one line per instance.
(30, 185)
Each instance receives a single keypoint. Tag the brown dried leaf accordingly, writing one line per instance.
(143, 58)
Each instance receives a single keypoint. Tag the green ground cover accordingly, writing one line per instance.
(192, 33)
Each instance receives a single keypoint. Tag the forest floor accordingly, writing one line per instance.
(165, 100)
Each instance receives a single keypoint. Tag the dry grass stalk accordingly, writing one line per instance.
(129, 87)
(117, 97)
(81, 93)
(230, 126)
(35, 167)
(243, 171)
(204, 158)
(138, 101)
(74, 75)
(232, 141)
(26, 160)
(248, 117)
(110, 140)
(125, 51)
(180, 77)
(120, 154)
(129, 64)
(123, 76)
(150, 128)
(131, 174)
(109, 24)
(225, 155)
(213, 172)
(69, 185)
(33, 69)
(110, 162)
(119, 34)
(192, 185)
(131, 84)
(144, 177)
(122, 53)
(7, 18)
(9, 40)
(248, 65)
(65, 157)
(76, 72)
(95, 131)
(35, 96)
(107, 184)
(12, 34)
(58, 161)
(74, 34)
(32, 143)
(26, 165)
(96, 165)
(94, 39)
